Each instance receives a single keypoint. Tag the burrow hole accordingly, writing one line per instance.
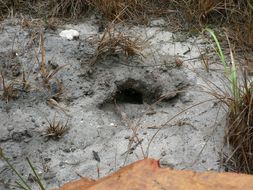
(129, 95)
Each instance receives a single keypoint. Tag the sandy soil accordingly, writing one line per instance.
(192, 140)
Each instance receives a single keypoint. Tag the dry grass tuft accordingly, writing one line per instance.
(237, 95)
(239, 132)
(45, 72)
(112, 42)
(233, 14)
(124, 9)
(73, 8)
(240, 129)
(9, 92)
(56, 129)
(30, 7)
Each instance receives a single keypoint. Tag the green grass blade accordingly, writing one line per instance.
(20, 185)
(13, 169)
(220, 52)
(36, 175)
(231, 73)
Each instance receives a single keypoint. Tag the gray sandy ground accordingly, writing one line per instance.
(192, 140)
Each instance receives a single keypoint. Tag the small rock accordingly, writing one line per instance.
(36, 125)
(163, 153)
(10, 128)
(145, 133)
(67, 150)
(33, 120)
(53, 65)
(31, 178)
(187, 98)
(14, 157)
(127, 137)
(4, 138)
(62, 51)
(47, 159)
(28, 133)
(88, 92)
(96, 156)
(49, 175)
(157, 22)
(17, 136)
(165, 163)
(27, 140)
(61, 164)
(69, 34)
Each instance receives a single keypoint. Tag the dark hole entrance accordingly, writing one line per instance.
(129, 95)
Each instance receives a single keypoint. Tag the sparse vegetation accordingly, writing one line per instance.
(45, 73)
(113, 42)
(22, 184)
(236, 15)
(238, 99)
(8, 90)
(69, 7)
(190, 15)
(56, 129)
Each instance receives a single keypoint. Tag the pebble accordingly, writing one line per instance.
(69, 34)
(28, 133)
(163, 153)
(66, 150)
(47, 159)
(17, 136)
(10, 128)
(54, 65)
(49, 175)
(31, 178)
(36, 125)
(186, 99)
(61, 164)
(127, 137)
(4, 138)
(165, 163)
(27, 140)
(33, 120)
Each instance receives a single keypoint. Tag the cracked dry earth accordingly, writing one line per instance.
(106, 106)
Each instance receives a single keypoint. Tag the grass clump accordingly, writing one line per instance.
(113, 42)
(239, 100)
(9, 90)
(72, 8)
(46, 73)
(124, 9)
(56, 129)
(233, 14)
(188, 14)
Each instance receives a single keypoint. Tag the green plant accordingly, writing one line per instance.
(22, 184)
(239, 99)
(230, 72)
